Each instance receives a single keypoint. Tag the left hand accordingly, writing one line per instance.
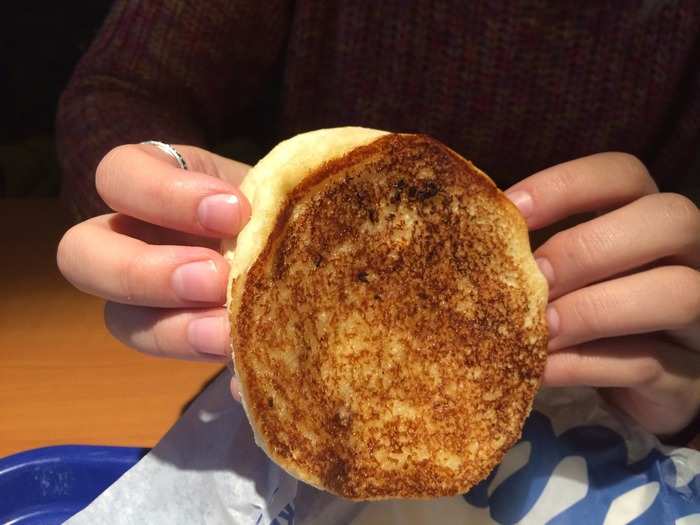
(624, 312)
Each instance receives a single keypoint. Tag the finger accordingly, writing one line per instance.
(617, 362)
(152, 234)
(201, 334)
(609, 245)
(597, 182)
(102, 262)
(663, 298)
(633, 369)
(137, 180)
(235, 387)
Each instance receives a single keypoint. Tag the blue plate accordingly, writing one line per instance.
(48, 485)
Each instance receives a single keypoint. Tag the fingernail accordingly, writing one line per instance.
(236, 389)
(198, 281)
(552, 322)
(546, 269)
(220, 213)
(209, 335)
(523, 200)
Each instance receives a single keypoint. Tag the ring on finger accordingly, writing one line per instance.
(168, 150)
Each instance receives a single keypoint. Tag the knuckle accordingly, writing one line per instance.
(129, 326)
(200, 160)
(647, 369)
(565, 176)
(131, 281)
(158, 344)
(591, 310)
(108, 166)
(65, 249)
(685, 287)
(72, 249)
(583, 246)
(575, 373)
(635, 170)
(679, 210)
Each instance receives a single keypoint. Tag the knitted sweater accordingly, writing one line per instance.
(515, 86)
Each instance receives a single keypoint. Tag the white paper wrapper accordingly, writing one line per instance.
(578, 462)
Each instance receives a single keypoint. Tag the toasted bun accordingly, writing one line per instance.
(387, 316)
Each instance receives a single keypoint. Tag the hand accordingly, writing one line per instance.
(624, 312)
(156, 260)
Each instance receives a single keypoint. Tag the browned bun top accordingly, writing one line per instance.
(390, 336)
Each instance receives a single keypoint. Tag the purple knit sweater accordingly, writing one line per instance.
(515, 86)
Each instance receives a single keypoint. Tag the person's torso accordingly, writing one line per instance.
(514, 86)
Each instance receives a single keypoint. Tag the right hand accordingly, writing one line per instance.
(156, 260)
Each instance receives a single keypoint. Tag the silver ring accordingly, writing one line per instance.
(168, 149)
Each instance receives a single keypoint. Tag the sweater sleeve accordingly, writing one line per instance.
(166, 70)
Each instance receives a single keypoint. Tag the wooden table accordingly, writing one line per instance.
(63, 379)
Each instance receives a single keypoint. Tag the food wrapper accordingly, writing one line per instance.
(578, 462)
